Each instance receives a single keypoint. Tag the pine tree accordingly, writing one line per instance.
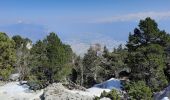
(51, 60)
(146, 54)
(58, 55)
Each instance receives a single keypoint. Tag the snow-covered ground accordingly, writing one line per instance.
(97, 89)
(165, 98)
(15, 91)
(110, 84)
(91, 92)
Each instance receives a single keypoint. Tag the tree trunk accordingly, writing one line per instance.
(82, 79)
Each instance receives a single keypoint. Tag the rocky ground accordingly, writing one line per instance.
(57, 91)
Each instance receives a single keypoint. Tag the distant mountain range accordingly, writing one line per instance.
(31, 31)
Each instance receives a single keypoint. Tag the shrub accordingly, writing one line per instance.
(5, 73)
(113, 95)
(138, 91)
(7, 56)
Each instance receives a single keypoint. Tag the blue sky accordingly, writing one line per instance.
(81, 23)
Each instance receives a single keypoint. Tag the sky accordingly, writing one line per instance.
(81, 23)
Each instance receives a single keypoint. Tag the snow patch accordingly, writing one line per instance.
(110, 84)
(105, 98)
(97, 89)
(165, 98)
(29, 46)
(14, 90)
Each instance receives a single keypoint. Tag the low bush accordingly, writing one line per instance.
(138, 91)
(113, 95)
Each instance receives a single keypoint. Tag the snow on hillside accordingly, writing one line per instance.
(13, 91)
(91, 92)
(110, 84)
(97, 89)
(163, 95)
(165, 98)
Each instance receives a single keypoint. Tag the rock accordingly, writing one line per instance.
(22, 82)
(57, 91)
(14, 77)
(73, 86)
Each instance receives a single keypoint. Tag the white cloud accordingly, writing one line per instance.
(134, 17)
(20, 21)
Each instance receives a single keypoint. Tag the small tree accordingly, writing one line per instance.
(113, 62)
(23, 54)
(91, 64)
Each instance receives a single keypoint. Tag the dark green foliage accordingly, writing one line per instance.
(7, 56)
(167, 69)
(105, 52)
(51, 60)
(55, 50)
(59, 57)
(146, 55)
(18, 41)
(138, 91)
(39, 63)
(113, 94)
(74, 75)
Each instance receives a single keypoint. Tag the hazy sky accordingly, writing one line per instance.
(81, 22)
